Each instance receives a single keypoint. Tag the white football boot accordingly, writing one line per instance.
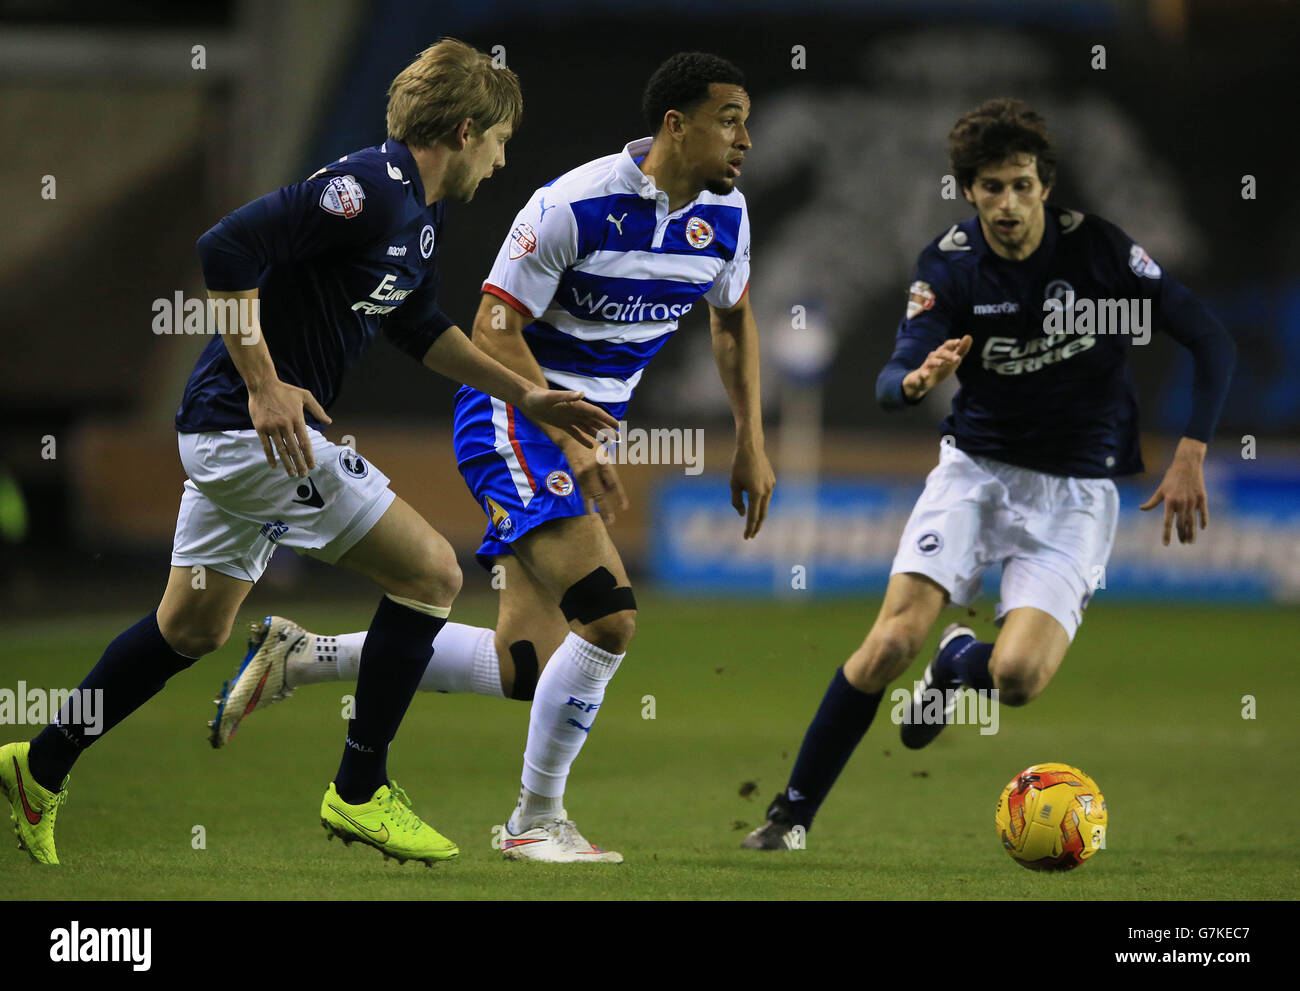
(554, 841)
(260, 681)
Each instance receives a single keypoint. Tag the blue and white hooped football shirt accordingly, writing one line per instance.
(603, 271)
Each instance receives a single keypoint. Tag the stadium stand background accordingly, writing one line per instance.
(148, 151)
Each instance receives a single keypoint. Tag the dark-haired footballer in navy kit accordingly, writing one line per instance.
(314, 272)
(1035, 309)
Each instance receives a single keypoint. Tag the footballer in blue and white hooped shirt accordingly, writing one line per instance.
(591, 280)
(602, 270)
(593, 277)
(605, 271)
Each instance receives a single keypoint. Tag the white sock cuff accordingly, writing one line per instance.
(591, 660)
(349, 654)
(485, 678)
(438, 612)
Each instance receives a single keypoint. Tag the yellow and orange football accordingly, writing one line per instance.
(1052, 817)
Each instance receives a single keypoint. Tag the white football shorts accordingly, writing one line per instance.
(1051, 534)
(236, 509)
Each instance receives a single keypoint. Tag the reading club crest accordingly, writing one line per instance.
(699, 233)
(559, 483)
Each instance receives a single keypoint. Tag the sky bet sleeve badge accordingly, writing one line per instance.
(1141, 263)
(343, 197)
(920, 297)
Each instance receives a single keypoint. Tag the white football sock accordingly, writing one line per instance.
(464, 660)
(565, 703)
(532, 809)
(326, 661)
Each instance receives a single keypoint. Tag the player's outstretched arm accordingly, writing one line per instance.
(275, 407)
(938, 365)
(1182, 490)
(454, 356)
(735, 349)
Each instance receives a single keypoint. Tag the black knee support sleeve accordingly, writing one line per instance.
(595, 596)
(524, 654)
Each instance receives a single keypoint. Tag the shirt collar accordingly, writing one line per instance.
(404, 160)
(625, 167)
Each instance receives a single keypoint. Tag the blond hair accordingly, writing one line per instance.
(448, 82)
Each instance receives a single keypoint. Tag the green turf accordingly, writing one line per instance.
(1202, 802)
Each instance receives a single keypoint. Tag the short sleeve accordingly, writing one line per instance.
(535, 254)
(327, 211)
(729, 286)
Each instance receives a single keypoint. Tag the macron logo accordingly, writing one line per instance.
(77, 945)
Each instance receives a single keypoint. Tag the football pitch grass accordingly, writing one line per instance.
(1202, 802)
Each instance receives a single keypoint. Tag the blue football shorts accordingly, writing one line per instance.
(517, 474)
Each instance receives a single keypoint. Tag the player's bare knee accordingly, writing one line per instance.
(1018, 681)
(883, 656)
(613, 632)
(433, 576)
(194, 639)
(892, 645)
(604, 611)
(1016, 693)
(447, 581)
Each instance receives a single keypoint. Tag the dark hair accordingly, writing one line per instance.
(682, 84)
(995, 131)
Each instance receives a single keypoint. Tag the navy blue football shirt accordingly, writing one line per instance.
(1047, 391)
(351, 251)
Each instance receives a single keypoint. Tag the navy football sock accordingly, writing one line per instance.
(132, 670)
(393, 660)
(966, 661)
(841, 719)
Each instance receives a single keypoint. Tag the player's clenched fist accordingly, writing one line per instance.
(938, 365)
